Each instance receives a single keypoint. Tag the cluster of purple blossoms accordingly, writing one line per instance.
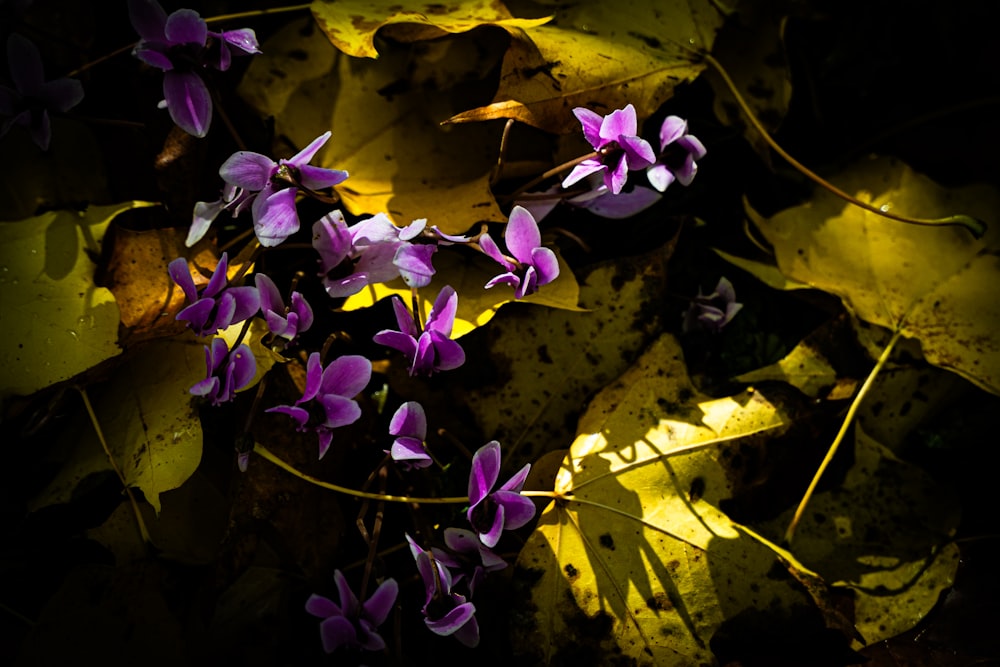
(349, 623)
(181, 45)
(269, 189)
(532, 266)
(619, 149)
(228, 372)
(371, 251)
(218, 306)
(283, 321)
(451, 577)
(432, 349)
(328, 400)
(31, 99)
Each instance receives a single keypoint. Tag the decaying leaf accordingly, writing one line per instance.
(885, 535)
(602, 56)
(936, 283)
(351, 24)
(635, 548)
(468, 273)
(148, 421)
(57, 323)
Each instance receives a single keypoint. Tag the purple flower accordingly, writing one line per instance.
(470, 560)
(372, 251)
(285, 322)
(678, 152)
(269, 188)
(32, 97)
(432, 349)
(409, 425)
(532, 266)
(713, 311)
(228, 372)
(491, 512)
(351, 624)
(328, 401)
(218, 307)
(614, 138)
(180, 45)
(445, 612)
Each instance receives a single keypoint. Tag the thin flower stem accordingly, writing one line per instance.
(257, 12)
(549, 174)
(266, 454)
(143, 532)
(227, 121)
(855, 404)
(83, 68)
(976, 227)
(502, 156)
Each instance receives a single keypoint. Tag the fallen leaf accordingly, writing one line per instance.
(884, 534)
(806, 367)
(601, 56)
(57, 322)
(148, 421)
(351, 24)
(634, 548)
(934, 283)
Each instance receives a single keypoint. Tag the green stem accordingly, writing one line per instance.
(263, 452)
(855, 404)
(550, 173)
(976, 227)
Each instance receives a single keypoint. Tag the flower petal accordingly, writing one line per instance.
(247, 170)
(205, 214)
(331, 239)
(244, 367)
(317, 178)
(380, 603)
(247, 302)
(660, 177)
(489, 246)
(25, 64)
(453, 620)
(414, 263)
(188, 101)
(491, 535)
(545, 263)
(582, 170)
(397, 340)
(442, 317)
(322, 607)
(485, 470)
(185, 26)
(274, 216)
(409, 420)
(148, 18)
(62, 94)
(410, 451)
(301, 415)
(347, 375)
(306, 154)
(244, 39)
(340, 411)
(468, 634)
(591, 123)
(522, 235)
(672, 129)
(449, 354)
(638, 153)
(270, 298)
(337, 631)
(348, 601)
(180, 274)
(517, 510)
(619, 123)
(623, 205)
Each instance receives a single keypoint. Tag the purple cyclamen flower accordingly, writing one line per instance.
(282, 321)
(228, 372)
(31, 99)
(269, 188)
(372, 251)
(351, 624)
(712, 311)
(432, 349)
(678, 152)
(614, 138)
(218, 307)
(409, 425)
(446, 613)
(491, 512)
(180, 45)
(533, 265)
(470, 560)
(328, 401)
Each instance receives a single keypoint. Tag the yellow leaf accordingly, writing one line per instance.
(806, 367)
(936, 283)
(636, 539)
(351, 24)
(56, 322)
(468, 273)
(148, 421)
(601, 55)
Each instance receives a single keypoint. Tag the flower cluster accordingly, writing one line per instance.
(181, 45)
(269, 189)
(349, 623)
(432, 349)
(218, 306)
(228, 372)
(372, 251)
(532, 265)
(32, 98)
